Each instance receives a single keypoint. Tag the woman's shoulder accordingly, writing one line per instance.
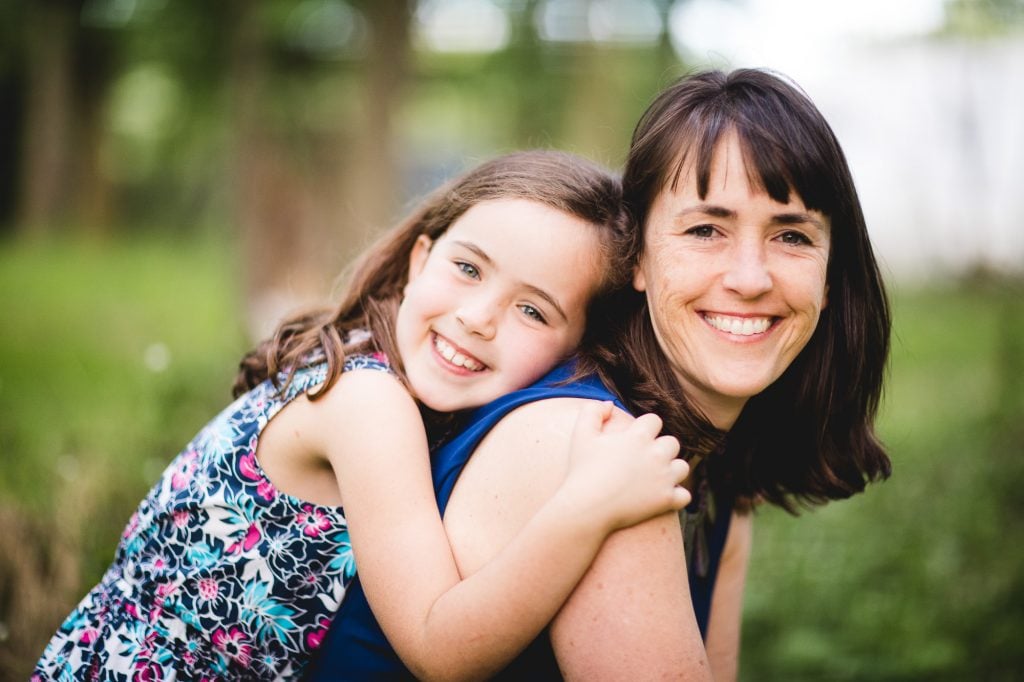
(535, 436)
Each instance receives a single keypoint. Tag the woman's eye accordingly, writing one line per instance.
(702, 231)
(468, 269)
(794, 238)
(532, 313)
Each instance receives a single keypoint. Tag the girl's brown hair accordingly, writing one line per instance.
(808, 437)
(371, 298)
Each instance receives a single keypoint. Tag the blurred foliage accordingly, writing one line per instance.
(115, 356)
(127, 129)
(983, 18)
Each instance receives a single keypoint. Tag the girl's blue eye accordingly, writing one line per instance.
(468, 269)
(794, 238)
(532, 313)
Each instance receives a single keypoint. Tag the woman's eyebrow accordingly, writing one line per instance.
(712, 210)
(800, 218)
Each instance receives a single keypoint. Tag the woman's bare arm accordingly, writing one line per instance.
(631, 616)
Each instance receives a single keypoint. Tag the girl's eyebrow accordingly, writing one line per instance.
(480, 253)
(537, 291)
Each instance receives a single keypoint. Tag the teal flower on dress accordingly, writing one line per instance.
(200, 555)
(266, 617)
(344, 560)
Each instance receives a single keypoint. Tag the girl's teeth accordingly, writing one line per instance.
(454, 357)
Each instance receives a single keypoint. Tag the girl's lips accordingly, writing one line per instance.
(455, 355)
(739, 325)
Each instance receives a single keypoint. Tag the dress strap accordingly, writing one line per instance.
(448, 461)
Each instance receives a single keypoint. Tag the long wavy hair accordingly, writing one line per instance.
(809, 437)
(371, 298)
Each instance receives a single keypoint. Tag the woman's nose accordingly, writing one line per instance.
(477, 316)
(747, 273)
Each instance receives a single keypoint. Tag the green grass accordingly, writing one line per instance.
(919, 578)
(81, 319)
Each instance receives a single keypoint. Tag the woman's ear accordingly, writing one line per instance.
(418, 256)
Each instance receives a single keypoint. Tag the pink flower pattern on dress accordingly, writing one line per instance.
(233, 643)
(313, 521)
(218, 575)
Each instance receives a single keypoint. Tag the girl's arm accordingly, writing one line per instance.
(441, 626)
(727, 600)
(631, 616)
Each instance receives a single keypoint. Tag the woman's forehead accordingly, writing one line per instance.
(697, 163)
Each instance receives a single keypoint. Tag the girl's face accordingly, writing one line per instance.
(735, 282)
(495, 302)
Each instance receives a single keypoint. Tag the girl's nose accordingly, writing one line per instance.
(747, 273)
(477, 316)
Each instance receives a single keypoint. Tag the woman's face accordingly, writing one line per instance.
(735, 282)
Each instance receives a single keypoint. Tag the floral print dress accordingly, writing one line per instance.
(217, 575)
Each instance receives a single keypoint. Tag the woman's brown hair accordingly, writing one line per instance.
(809, 436)
(371, 298)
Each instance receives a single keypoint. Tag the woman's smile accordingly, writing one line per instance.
(735, 282)
(738, 325)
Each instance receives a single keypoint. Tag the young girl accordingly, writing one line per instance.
(235, 562)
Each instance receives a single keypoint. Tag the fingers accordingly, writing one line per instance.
(667, 447)
(679, 469)
(681, 498)
(648, 425)
(593, 416)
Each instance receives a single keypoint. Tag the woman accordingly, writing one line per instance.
(758, 330)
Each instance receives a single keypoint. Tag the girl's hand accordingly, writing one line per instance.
(624, 475)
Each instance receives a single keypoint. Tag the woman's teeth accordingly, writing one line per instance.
(740, 326)
(455, 357)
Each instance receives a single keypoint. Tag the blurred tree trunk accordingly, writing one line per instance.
(68, 71)
(46, 150)
(372, 178)
(266, 206)
(91, 194)
(302, 219)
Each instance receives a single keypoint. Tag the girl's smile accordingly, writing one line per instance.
(456, 358)
(495, 302)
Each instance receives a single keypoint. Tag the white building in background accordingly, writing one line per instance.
(935, 136)
(933, 128)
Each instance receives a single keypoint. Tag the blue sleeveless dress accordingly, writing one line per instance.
(356, 648)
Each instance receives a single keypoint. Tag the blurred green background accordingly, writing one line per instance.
(174, 176)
